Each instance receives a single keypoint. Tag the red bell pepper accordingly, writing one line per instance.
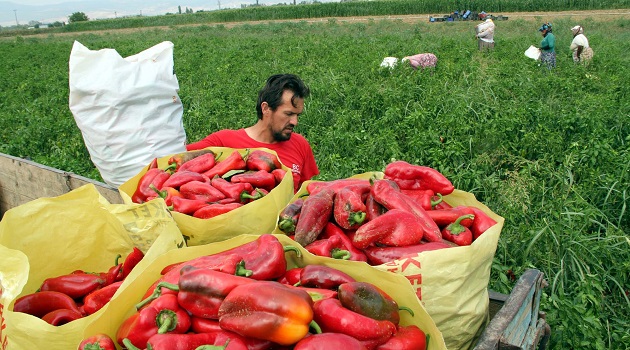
(179, 159)
(406, 338)
(60, 317)
(369, 300)
(75, 285)
(162, 315)
(279, 175)
(232, 264)
(386, 193)
(267, 310)
(332, 230)
(316, 212)
(98, 298)
(458, 233)
(291, 276)
(329, 247)
(99, 341)
(201, 191)
(317, 293)
(349, 209)
(263, 259)
(394, 228)
(382, 255)
(422, 197)
(237, 191)
(233, 162)
(481, 223)
(444, 217)
(211, 210)
(219, 340)
(418, 177)
(181, 177)
(153, 176)
(315, 187)
(331, 316)
(187, 206)
(39, 304)
(261, 179)
(327, 341)
(288, 217)
(321, 276)
(261, 160)
(199, 164)
(373, 209)
(131, 261)
(204, 325)
(167, 193)
(201, 291)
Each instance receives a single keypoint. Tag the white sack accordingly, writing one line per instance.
(389, 62)
(533, 52)
(127, 109)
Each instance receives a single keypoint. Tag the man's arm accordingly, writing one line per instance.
(211, 140)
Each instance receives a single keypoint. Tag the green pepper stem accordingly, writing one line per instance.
(440, 200)
(129, 345)
(288, 248)
(213, 347)
(166, 321)
(241, 270)
(340, 254)
(315, 327)
(406, 309)
(156, 293)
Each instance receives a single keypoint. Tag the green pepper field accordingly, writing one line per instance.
(547, 150)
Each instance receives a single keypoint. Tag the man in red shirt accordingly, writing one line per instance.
(280, 103)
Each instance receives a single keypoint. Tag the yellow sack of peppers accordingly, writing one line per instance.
(393, 284)
(452, 283)
(79, 230)
(258, 216)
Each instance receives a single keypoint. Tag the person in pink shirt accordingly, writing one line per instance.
(280, 103)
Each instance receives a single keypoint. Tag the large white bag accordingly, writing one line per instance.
(127, 109)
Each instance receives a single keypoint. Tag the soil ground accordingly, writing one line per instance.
(601, 15)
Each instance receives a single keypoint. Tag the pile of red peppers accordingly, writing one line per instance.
(381, 220)
(196, 184)
(245, 298)
(63, 299)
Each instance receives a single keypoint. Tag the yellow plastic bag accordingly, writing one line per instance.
(255, 217)
(49, 237)
(395, 285)
(451, 283)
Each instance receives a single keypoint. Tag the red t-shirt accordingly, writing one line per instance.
(296, 153)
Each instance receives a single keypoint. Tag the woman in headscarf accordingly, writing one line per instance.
(547, 46)
(582, 52)
(485, 35)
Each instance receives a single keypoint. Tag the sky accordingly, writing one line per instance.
(48, 11)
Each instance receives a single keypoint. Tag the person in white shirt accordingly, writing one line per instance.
(485, 34)
(582, 52)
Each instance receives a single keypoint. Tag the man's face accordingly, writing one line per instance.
(285, 117)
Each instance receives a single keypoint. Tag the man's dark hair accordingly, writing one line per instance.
(274, 88)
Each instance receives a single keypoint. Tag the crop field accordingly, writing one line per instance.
(547, 150)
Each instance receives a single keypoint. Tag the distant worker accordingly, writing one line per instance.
(280, 103)
(421, 60)
(582, 52)
(547, 46)
(485, 34)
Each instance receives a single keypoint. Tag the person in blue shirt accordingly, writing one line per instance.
(547, 46)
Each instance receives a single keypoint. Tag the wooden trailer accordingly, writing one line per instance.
(516, 321)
